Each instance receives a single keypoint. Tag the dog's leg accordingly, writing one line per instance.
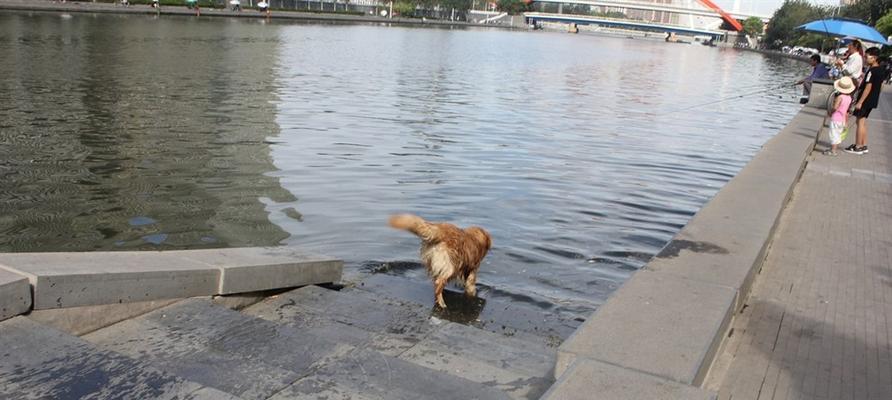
(439, 285)
(471, 284)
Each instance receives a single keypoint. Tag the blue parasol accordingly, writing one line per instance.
(845, 27)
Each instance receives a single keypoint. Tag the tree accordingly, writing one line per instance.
(884, 24)
(869, 11)
(512, 6)
(753, 26)
(403, 8)
(782, 28)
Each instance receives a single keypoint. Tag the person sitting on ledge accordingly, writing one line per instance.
(819, 71)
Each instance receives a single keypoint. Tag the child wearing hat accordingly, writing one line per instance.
(844, 87)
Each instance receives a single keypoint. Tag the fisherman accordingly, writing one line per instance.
(818, 71)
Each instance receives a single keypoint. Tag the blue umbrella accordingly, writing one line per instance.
(845, 27)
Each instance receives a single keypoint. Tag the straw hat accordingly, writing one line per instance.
(845, 85)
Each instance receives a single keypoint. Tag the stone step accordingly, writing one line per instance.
(15, 294)
(217, 347)
(361, 374)
(521, 317)
(587, 379)
(255, 358)
(359, 318)
(39, 362)
(407, 330)
(62, 280)
(516, 367)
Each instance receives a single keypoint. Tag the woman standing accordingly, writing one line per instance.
(854, 63)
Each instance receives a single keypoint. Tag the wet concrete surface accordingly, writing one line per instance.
(499, 315)
(39, 362)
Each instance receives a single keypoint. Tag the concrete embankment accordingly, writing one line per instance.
(657, 336)
(89, 7)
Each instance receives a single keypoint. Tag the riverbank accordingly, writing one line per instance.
(661, 331)
(90, 7)
(778, 53)
(819, 319)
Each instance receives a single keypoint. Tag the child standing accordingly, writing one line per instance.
(844, 86)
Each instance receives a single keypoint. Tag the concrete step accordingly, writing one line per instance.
(361, 374)
(217, 347)
(39, 362)
(406, 330)
(255, 358)
(62, 280)
(520, 369)
(500, 313)
(385, 325)
(15, 294)
(588, 379)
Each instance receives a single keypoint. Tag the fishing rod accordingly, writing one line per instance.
(722, 100)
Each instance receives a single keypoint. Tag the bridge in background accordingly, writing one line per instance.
(698, 17)
(618, 23)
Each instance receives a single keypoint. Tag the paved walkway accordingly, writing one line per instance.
(818, 323)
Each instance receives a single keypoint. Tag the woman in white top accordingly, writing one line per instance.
(854, 63)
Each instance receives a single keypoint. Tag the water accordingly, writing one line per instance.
(582, 155)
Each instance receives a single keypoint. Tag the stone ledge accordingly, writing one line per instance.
(15, 294)
(62, 280)
(282, 267)
(587, 379)
(656, 323)
(725, 243)
(79, 321)
(670, 319)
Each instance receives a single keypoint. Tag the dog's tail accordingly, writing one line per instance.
(427, 231)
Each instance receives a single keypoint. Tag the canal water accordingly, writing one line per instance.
(582, 155)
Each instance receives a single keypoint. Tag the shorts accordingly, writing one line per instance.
(862, 112)
(835, 133)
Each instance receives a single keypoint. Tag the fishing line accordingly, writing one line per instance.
(722, 100)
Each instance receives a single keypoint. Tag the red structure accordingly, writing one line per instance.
(727, 17)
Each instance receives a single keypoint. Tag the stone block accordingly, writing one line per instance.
(821, 89)
(254, 269)
(589, 379)
(80, 279)
(15, 294)
(62, 280)
(85, 319)
(656, 323)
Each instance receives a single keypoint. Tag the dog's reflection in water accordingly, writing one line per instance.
(462, 309)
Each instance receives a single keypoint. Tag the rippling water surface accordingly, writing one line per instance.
(582, 155)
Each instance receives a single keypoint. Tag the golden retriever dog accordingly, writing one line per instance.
(448, 252)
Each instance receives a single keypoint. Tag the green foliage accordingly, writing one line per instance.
(814, 40)
(404, 8)
(782, 28)
(869, 11)
(884, 24)
(753, 26)
(513, 6)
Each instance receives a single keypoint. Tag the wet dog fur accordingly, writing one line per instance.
(448, 252)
